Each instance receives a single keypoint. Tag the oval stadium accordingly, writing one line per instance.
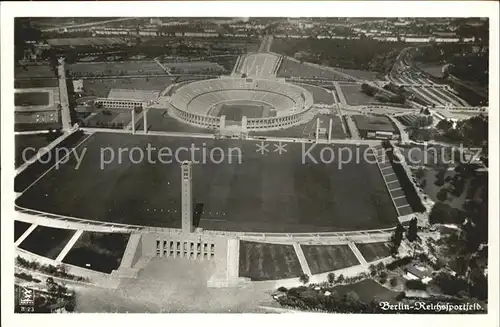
(252, 104)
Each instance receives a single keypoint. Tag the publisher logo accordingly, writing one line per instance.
(26, 296)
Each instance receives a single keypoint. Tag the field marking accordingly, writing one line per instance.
(69, 245)
(25, 235)
(399, 197)
(390, 174)
(302, 259)
(386, 168)
(57, 163)
(396, 189)
(208, 219)
(403, 206)
(357, 253)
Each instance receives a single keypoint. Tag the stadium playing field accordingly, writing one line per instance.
(235, 110)
(262, 192)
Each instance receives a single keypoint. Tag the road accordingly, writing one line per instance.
(52, 29)
(265, 46)
(406, 74)
(402, 130)
(352, 127)
(124, 77)
(63, 98)
(165, 69)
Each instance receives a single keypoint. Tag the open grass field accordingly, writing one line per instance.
(115, 68)
(266, 261)
(374, 251)
(31, 98)
(30, 144)
(19, 228)
(98, 251)
(194, 67)
(46, 241)
(35, 83)
(34, 71)
(35, 170)
(87, 41)
(320, 95)
(355, 97)
(239, 189)
(324, 258)
(101, 87)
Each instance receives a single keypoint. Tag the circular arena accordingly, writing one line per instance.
(252, 104)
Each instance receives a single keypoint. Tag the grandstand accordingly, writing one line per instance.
(258, 64)
(144, 95)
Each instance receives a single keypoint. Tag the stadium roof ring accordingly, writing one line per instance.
(252, 104)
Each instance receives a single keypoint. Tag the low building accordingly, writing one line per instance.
(375, 127)
(78, 86)
(413, 272)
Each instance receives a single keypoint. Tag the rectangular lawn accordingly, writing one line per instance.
(374, 251)
(323, 258)
(98, 251)
(266, 261)
(19, 228)
(31, 98)
(47, 241)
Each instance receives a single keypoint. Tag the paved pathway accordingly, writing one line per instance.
(63, 97)
(265, 45)
(165, 69)
(352, 128)
(357, 253)
(302, 259)
(103, 22)
(69, 245)
(25, 235)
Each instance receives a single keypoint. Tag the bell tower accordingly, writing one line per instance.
(187, 197)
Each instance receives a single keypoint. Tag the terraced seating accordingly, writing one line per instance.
(198, 97)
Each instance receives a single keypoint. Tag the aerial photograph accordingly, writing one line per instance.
(251, 165)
